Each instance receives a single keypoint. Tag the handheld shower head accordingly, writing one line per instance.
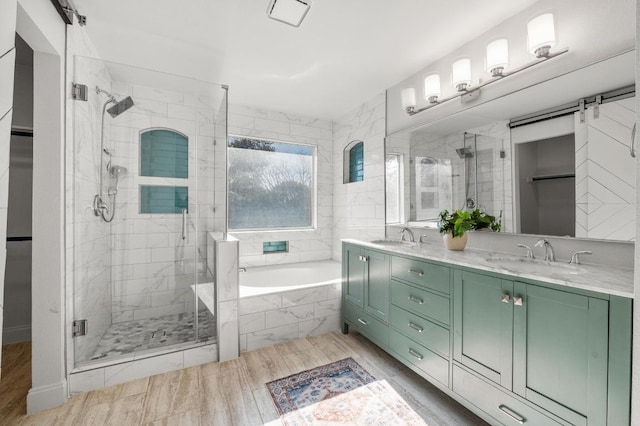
(118, 171)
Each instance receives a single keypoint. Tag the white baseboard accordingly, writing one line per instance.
(20, 333)
(46, 397)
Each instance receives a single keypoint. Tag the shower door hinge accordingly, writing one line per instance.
(79, 328)
(582, 108)
(79, 92)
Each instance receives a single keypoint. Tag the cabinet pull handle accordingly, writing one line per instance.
(509, 412)
(517, 301)
(505, 298)
(415, 327)
(365, 258)
(415, 299)
(363, 322)
(415, 354)
(416, 272)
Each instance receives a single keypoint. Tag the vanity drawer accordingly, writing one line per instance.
(426, 274)
(429, 362)
(425, 332)
(420, 302)
(505, 408)
(367, 325)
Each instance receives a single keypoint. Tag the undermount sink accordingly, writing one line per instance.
(396, 243)
(535, 264)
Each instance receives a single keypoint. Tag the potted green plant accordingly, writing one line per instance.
(454, 227)
(483, 221)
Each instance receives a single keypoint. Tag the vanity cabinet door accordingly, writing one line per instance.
(377, 284)
(483, 325)
(353, 275)
(560, 352)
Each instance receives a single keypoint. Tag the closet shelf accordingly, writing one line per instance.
(537, 178)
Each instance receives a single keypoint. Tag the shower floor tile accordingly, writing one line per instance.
(152, 333)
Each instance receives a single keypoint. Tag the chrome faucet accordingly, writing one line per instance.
(548, 250)
(411, 237)
(575, 259)
(529, 251)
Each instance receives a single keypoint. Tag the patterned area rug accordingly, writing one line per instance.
(339, 393)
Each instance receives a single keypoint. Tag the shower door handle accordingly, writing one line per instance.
(184, 224)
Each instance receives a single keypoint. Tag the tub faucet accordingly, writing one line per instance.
(407, 230)
(548, 250)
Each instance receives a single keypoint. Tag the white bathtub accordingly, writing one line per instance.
(262, 280)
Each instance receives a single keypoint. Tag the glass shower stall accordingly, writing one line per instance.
(146, 179)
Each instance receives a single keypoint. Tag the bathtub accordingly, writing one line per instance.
(261, 280)
(284, 302)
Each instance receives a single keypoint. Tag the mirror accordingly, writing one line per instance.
(568, 176)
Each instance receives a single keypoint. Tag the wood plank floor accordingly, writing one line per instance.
(228, 393)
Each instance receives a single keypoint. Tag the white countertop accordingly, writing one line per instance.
(602, 279)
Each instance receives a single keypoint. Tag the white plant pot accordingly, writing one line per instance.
(455, 243)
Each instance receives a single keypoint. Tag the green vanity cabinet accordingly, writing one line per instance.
(549, 347)
(365, 291)
(513, 350)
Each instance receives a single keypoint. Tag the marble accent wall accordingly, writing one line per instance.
(358, 207)
(304, 245)
(88, 237)
(279, 317)
(7, 63)
(153, 266)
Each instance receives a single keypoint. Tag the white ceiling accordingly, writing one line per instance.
(344, 53)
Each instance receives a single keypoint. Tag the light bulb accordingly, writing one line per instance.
(497, 57)
(408, 97)
(461, 74)
(541, 35)
(432, 88)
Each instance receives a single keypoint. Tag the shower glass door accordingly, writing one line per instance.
(141, 190)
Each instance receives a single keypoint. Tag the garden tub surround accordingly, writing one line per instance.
(284, 302)
(612, 280)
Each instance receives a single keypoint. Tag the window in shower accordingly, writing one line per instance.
(164, 153)
(272, 184)
(354, 162)
(394, 184)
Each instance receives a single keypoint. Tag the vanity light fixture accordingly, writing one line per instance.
(408, 99)
(541, 35)
(290, 12)
(497, 58)
(461, 74)
(432, 88)
(540, 40)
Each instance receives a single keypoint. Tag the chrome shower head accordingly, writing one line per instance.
(464, 152)
(120, 107)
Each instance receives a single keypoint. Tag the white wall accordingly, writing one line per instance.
(358, 207)
(41, 27)
(304, 245)
(7, 61)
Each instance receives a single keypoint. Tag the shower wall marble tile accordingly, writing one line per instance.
(153, 263)
(304, 245)
(359, 207)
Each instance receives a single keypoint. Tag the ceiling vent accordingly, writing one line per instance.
(290, 12)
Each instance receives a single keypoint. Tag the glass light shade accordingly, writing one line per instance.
(408, 98)
(431, 86)
(541, 32)
(461, 72)
(497, 54)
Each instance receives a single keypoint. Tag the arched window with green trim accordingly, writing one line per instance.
(354, 162)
